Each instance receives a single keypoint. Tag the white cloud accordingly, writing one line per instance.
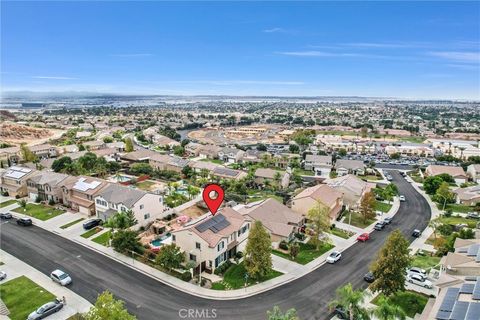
(460, 56)
(53, 78)
(275, 30)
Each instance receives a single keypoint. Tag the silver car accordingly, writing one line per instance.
(47, 309)
(60, 277)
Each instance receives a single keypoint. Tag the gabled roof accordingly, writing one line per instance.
(48, 177)
(268, 173)
(322, 192)
(349, 164)
(115, 193)
(453, 171)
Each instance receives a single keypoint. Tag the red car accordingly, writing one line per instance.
(363, 237)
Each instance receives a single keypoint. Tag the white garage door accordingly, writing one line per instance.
(83, 210)
(32, 196)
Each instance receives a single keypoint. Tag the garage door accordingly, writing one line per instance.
(32, 196)
(83, 210)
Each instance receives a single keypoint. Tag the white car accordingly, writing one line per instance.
(417, 271)
(401, 198)
(60, 277)
(334, 257)
(3, 275)
(419, 280)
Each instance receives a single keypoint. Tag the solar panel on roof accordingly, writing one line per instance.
(205, 225)
(459, 310)
(473, 312)
(467, 288)
(219, 226)
(449, 300)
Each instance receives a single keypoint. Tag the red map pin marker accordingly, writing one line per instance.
(213, 196)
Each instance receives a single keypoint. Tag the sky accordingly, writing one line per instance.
(402, 49)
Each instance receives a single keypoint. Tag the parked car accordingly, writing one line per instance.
(47, 309)
(389, 178)
(417, 271)
(379, 225)
(3, 275)
(334, 257)
(416, 233)
(60, 277)
(369, 277)
(473, 215)
(401, 198)
(363, 237)
(24, 222)
(90, 224)
(419, 280)
(341, 313)
(388, 220)
(5, 215)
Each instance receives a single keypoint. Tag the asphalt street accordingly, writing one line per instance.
(93, 273)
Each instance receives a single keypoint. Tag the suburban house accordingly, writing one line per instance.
(209, 151)
(274, 177)
(254, 156)
(10, 154)
(473, 172)
(230, 155)
(94, 145)
(280, 221)
(46, 185)
(198, 166)
(211, 240)
(469, 196)
(227, 173)
(192, 148)
(322, 195)
(464, 261)
(142, 155)
(14, 180)
(352, 188)
(119, 145)
(456, 172)
(344, 167)
(44, 151)
(79, 193)
(167, 162)
(117, 198)
(321, 165)
(283, 160)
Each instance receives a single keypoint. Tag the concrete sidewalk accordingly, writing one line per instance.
(16, 268)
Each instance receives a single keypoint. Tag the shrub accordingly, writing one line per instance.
(283, 245)
(239, 255)
(38, 199)
(448, 213)
(17, 197)
(51, 202)
(300, 236)
(223, 267)
(5, 193)
(186, 276)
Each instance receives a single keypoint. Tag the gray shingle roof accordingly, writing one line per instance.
(118, 194)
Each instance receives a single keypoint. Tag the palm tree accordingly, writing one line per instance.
(351, 300)
(388, 311)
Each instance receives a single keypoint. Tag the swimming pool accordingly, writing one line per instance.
(160, 241)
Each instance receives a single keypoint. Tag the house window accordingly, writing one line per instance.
(146, 216)
(197, 245)
(193, 257)
(220, 246)
(141, 206)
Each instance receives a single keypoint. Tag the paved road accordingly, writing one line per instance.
(149, 299)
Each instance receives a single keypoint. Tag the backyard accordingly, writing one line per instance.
(234, 278)
(307, 253)
(411, 302)
(145, 185)
(22, 296)
(39, 211)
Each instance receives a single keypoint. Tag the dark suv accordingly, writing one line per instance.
(92, 224)
(24, 222)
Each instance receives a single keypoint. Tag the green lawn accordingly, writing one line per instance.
(357, 220)
(413, 139)
(304, 172)
(234, 278)
(257, 195)
(91, 232)
(103, 238)
(457, 207)
(39, 211)
(145, 185)
(371, 177)
(7, 203)
(341, 233)
(22, 296)
(457, 220)
(216, 161)
(411, 302)
(65, 226)
(382, 206)
(425, 262)
(307, 252)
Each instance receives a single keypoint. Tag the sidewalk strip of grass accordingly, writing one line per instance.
(91, 232)
(21, 296)
(7, 203)
(39, 211)
(103, 238)
(65, 226)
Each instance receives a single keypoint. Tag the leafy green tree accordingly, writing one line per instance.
(122, 220)
(388, 311)
(390, 264)
(141, 168)
(23, 203)
(342, 152)
(128, 145)
(294, 250)
(107, 139)
(126, 241)
(258, 260)
(277, 314)
(351, 301)
(319, 216)
(293, 148)
(170, 257)
(443, 194)
(59, 165)
(27, 154)
(87, 161)
(178, 151)
(108, 308)
(431, 184)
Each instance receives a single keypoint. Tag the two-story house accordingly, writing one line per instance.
(321, 165)
(211, 240)
(473, 172)
(344, 167)
(230, 155)
(116, 198)
(319, 195)
(14, 181)
(46, 185)
(79, 193)
(44, 151)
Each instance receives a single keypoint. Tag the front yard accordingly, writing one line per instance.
(411, 302)
(341, 233)
(453, 220)
(39, 211)
(457, 207)
(307, 253)
(425, 261)
(357, 220)
(91, 232)
(103, 239)
(22, 296)
(234, 278)
(382, 206)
